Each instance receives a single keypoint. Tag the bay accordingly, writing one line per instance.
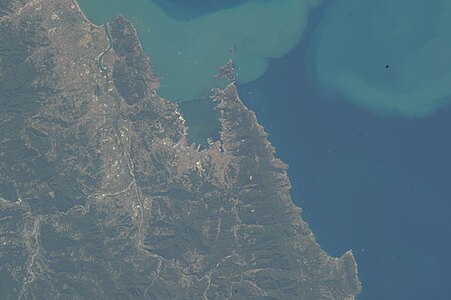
(187, 52)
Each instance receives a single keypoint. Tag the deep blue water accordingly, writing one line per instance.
(378, 185)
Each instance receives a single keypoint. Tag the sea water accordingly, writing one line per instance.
(376, 182)
(390, 56)
(369, 152)
(187, 53)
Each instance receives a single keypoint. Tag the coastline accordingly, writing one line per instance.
(354, 167)
(84, 17)
(345, 255)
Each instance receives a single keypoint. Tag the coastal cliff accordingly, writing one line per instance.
(101, 195)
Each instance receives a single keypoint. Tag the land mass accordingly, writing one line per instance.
(101, 196)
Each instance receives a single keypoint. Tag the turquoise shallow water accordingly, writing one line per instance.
(186, 10)
(186, 54)
(392, 57)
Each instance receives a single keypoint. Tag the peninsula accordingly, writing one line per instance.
(102, 197)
